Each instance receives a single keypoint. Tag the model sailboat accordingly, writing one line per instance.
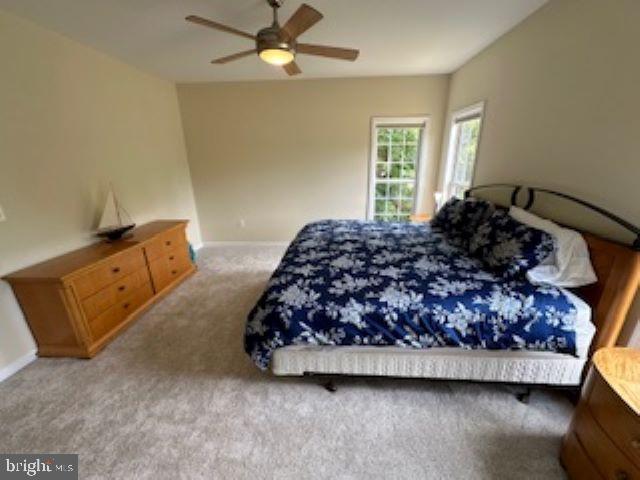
(115, 220)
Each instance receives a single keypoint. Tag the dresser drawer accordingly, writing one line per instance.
(154, 249)
(165, 270)
(159, 274)
(116, 314)
(109, 271)
(615, 418)
(173, 238)
(608, 459)
(178, 260)
(105, 298)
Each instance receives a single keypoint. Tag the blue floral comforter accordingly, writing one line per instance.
(346, 282)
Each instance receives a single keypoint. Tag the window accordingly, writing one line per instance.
(396, 156)
(463, 150)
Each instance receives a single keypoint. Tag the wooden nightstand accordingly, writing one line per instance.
(603, 441)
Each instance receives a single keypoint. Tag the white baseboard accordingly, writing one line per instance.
(17, 364)
(244, 244)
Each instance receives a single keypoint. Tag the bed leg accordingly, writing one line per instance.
(330, 386)
(524, 396)
(573, 395)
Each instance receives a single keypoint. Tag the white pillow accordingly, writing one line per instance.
(569, 265)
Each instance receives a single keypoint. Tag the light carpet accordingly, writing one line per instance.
(176, 397)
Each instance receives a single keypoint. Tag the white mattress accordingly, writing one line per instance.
(518, 366)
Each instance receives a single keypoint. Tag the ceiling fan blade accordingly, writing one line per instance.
(302, 20)
(292, 69)
(218, 26)
(235, 56)
(331, 52)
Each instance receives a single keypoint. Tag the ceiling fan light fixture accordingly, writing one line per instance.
(277, 56)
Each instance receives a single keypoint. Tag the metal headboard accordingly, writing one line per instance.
(531, 196)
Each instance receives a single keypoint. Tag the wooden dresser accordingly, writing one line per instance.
(78, 302)
(603, 441)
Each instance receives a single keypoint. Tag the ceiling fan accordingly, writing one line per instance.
(278, 45)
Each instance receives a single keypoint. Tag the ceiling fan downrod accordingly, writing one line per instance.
(275, 5)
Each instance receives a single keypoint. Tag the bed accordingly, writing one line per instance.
(402, 300)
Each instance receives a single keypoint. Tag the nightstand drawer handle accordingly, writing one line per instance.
(167, 243)
(635, 443)
(121, 288)
(621, 475)
(172, 257)
(173, 272)
(115, 269)
(126, 305)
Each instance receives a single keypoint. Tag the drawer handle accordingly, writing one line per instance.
(621, 475)
(635, 443)
(173, 272)
(167, 243)
(126, 305)
(122, 288)
(115, 269)
(171, 257)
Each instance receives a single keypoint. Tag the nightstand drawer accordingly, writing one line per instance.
(608, 459)
(615, 418)
(576, 461)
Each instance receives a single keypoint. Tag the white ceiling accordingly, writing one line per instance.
(395, 37)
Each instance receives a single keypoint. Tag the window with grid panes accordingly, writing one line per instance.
(466, 147)
(397, 149)
(463, 150)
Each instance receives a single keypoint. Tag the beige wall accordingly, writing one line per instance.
(71, 120)
(563, 105)
(280, 154)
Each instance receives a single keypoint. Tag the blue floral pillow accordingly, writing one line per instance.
(458, 219)
(509, 248)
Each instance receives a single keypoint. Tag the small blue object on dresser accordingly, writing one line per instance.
(509, 248)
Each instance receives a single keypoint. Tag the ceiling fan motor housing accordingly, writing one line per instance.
(274, 38)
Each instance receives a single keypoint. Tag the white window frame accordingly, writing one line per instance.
(373, 155)
(477, 109)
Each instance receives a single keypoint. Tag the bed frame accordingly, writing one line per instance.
(617, 266)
